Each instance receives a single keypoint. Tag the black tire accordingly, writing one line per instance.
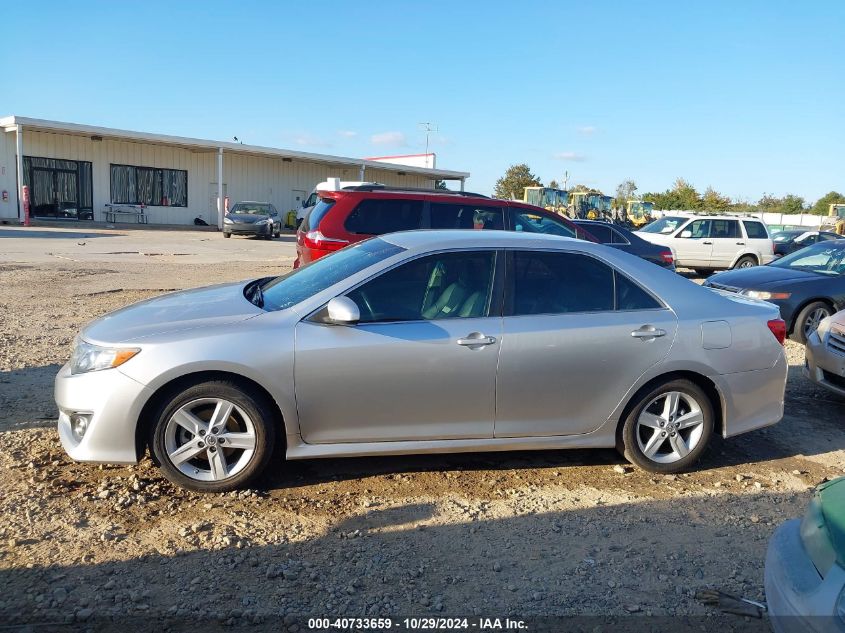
(804, 321)
(746, 261)
(633, 434)
(257, 410)
(278, 233)
(227, 235)
(703, 272)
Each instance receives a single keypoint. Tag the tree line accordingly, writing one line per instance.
(682, 195)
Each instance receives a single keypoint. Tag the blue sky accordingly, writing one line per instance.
(747, 97)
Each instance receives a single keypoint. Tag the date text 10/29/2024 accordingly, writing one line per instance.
(416, 624)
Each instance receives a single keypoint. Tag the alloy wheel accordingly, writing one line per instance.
(210, 439)
(811, 324)
(669, 427)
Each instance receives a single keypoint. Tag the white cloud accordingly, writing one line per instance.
(347, 133)
(389, 138)
(587, 130)
(573, 156)
(308, 140)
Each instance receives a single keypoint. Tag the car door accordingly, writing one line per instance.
(577, 335)
(419, 365)
(728, 242)
(693, 244)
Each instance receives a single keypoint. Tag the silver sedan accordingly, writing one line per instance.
(424, 342)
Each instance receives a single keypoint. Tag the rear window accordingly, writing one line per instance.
(466, 216)
(755, 230)
(315, 216)
(530, 222)
(376, 216)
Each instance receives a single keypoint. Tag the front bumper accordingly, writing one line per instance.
(113, 401)
(248, 229)
(798, 598)
(824, 366)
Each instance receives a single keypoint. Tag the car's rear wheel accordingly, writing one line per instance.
(214, 436)
(746, 261)
(668, 428)
(808, 320)
(227, 235)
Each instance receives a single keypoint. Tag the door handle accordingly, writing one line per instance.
(740, 243)
(707, 242)
(648, 331)
(476, 339)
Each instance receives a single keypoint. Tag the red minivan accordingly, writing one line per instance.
(354, 214)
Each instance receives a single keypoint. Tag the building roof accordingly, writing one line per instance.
(10, 123)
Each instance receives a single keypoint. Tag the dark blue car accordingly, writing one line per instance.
(628, 241)
(807, 285)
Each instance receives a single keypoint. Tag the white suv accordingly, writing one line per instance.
(711, 242)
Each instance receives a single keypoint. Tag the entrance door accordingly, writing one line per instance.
(297, 197)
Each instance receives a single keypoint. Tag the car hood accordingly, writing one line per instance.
(186, 310)
(832, 497)
(663, 239)
(246, 218)
(760, 276)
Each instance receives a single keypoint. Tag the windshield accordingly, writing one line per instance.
(283, 292)
(666, 224)
(824, 258)
(785, 236)
(251, 208)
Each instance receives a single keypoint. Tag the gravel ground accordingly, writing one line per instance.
(521, 534)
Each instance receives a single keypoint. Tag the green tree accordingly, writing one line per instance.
(788, 204)
(822, 206)
(626, 190)
(712, 200)
(516, 178)
(792, 204)
(682, 196)
(553, 184)
(440, 184)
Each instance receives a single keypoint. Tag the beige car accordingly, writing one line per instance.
(825, 362)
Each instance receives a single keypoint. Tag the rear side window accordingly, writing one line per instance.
(375, 216)
(618, 238)
(629, 296)
(755, 230)
(315, 216)
(725, 229)
(466, 216)
(602, 233)
(560, 283)
(529, 222)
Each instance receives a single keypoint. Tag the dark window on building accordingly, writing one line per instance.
(755, 230)
(150, 186)
(466, 216)
(375, 216)
(59, 188)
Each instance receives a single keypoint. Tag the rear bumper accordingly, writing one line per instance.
(753, 399)
(798, 598)
(823, 366)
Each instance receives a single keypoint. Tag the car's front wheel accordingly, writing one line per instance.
(213, 436)
(746, 261)
(808, 320)
(668, 428)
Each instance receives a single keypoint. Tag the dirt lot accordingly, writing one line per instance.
(524, 534)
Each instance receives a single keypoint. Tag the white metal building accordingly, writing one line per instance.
(75, 170)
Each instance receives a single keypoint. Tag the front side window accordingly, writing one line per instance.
(376, 216)
(698, 229)
(562, 283)
(442, 286)
(150, 186)
(466, 216)
(527, 221)
(755, 230)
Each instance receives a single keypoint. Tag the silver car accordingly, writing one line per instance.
(825, 361)
(424, 342)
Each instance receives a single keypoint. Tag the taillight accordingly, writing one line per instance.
(667, 257)
(778, 328)
(315, 239)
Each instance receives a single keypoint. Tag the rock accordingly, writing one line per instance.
(497, 566)
(620, 469)
(633, 608)
(83, 614)
(60, 594)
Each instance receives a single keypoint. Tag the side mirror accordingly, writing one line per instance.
(686, 234)
(343, 311)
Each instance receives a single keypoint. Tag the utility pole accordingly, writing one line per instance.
(428, 128)
(565, 180)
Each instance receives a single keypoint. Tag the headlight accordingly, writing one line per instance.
(87, 357)
(227, 220)
(766, 296)
(816, 538)
(267, 221)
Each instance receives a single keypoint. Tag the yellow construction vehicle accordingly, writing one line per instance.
(590, 205)
(639, 212)
(837, 212)
(550, 199)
